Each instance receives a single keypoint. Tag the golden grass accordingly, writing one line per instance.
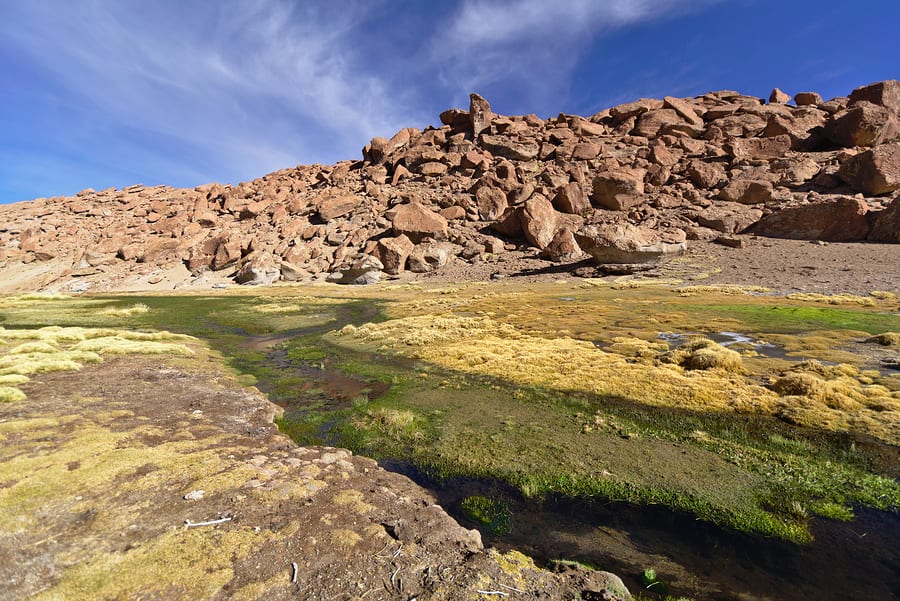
(135, 309)
(729, 289)
(701, 376)
(8, 394)
(833, 299)
(886, 339)
(115, 345)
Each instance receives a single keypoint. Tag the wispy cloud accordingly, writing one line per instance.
(253, 85)
(535, 44)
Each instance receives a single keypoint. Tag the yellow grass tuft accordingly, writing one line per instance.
(8, 394)
(135, 309)
(33, 347)
(115, 345)
(833, 299)
(886, 339)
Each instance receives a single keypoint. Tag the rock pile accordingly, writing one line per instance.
(630, 184)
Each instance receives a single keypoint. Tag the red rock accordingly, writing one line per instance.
(417, 222)
(562, 247)
(509, 148)
(623, 112)
(884, 93)
(454, 212)
(807, 98)
(571, 199)
(779, 97)
(747, 191)
(618, 190)
(480, 115)
(887, 224)
(430, 256)
(758, 148)
(509, 223)
(539, 221)
(873, 172)
(337, 206)
(491, 202)
(863, 124)
(627, 243)
(841, 220)
(393, 252)
(706, 175)
(228, 252)
(684, 110)
(585, 151)
(729, 218)
(650, 123)
(432, 169)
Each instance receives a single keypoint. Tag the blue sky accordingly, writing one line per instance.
(100, 93)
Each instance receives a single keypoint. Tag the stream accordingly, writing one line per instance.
(846, 561)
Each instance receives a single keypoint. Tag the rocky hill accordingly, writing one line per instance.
(627, 186)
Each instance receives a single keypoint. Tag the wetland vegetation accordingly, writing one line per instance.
(573, 389)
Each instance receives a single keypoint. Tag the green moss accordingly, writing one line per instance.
(492, 514)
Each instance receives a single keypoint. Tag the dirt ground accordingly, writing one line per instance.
(784, 266)
(108, 475)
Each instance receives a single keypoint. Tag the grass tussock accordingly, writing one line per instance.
(8, 394)
(833, 299)
(885, 339)
(116, 345)
(135, 309)
(729, 289)
(704, 354)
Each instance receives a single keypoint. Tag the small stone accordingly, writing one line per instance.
(194, 495)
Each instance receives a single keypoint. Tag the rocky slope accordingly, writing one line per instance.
(627, 186)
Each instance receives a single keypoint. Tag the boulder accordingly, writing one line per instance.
(728, 218)
(841, 220)
(779, 97)
(684, 110)
(418, 222)
(884, 93)
(563, 247)
(337, 206)
(623, 112)
(807, 98)
(480, 115)
(650, 123)
(747, 192)
(626, 243)
(393, 252)
(570, 198)
(539, 221)
(873, 172)
(431, 256)
(863, 124)
(758, 148)
(618, 190)
(366, 270)
(887, 224)
(509, 148)
(706, 175)
(491, 202)
(258, 269)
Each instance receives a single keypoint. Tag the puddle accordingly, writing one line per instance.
(726, 339)
(847, 560)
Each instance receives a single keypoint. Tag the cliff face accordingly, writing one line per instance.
(630, 185)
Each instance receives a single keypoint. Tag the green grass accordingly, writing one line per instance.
(739, 469)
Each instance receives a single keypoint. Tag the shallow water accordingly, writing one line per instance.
(846, 561)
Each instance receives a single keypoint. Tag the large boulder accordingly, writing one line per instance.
(884, 93)
(418, 222)
(393, 252)
(510, 148)
(491, 202)
(758, 148)
(627, 243)
(841, 220)
(863, 124)
(706, 175)
(337, 206)
(728, 218)
(747, 192)
(563, 247)
(431, 256)
(619, 190)
(887, 224)
(570, 198)
(875, 171)
(480, 114)
(539, 221)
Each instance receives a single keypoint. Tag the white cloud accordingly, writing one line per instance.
(255, 85)
(536, 43)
